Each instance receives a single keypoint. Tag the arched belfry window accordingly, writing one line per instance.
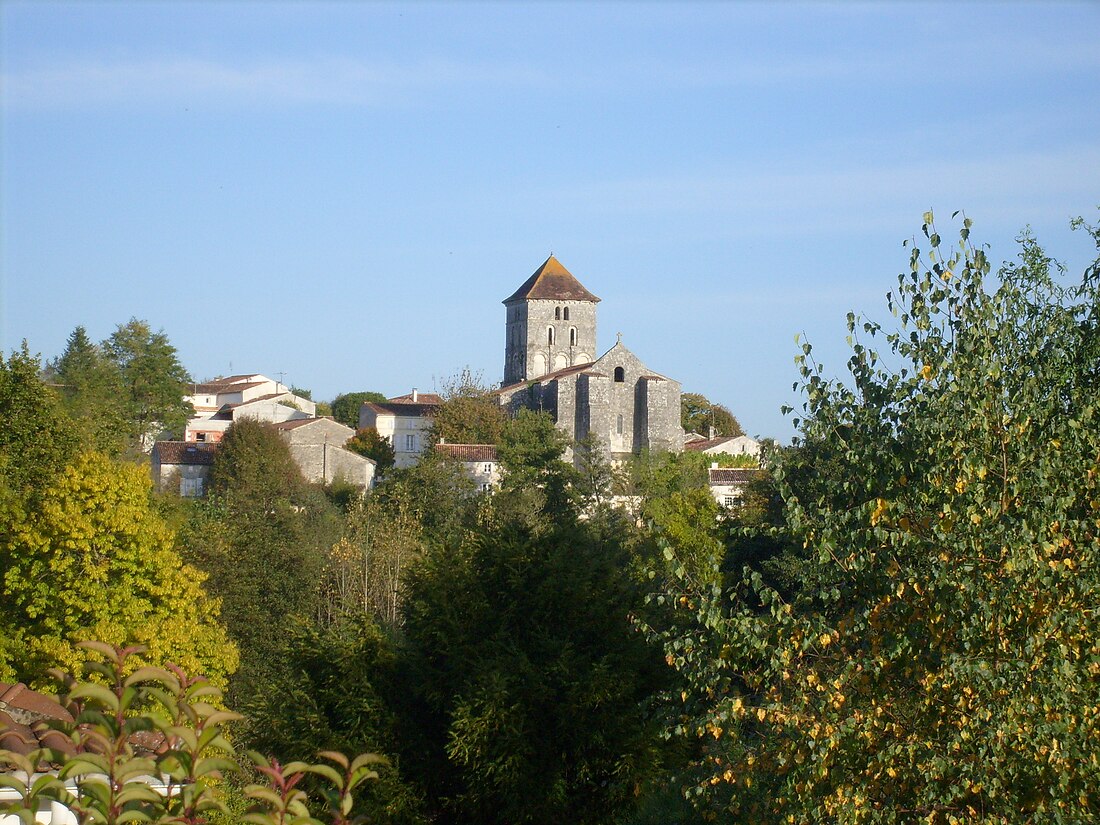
(620, 374)
(572, 336)
(550, 336)
(565, 314)
(557, 313)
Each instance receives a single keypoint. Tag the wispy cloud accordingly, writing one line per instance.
(1004, 186)
(334, 81)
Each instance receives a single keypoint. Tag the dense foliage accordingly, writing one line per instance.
(939, 660)
(698, 414)
(89, 558)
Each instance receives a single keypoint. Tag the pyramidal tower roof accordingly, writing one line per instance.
(552, 282)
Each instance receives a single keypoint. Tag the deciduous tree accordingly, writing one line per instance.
(698, 414)
(345, 407)
(939, 662)
(90, 559)
(153, 378)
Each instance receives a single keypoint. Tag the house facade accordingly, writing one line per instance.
(404, 421)
(479, 462)
(182, 466)
(728, 485)
(550, 338)
(317, 447)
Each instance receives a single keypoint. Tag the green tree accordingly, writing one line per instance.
(91, 390)
(939, 660)
(262, 535)
(698, 415)
(154, 381)
(90, 559)
(367, 442)
(470, 414)
(37, 439)
(526, 681)
(536, 481)
(343, 678)
(345, 407)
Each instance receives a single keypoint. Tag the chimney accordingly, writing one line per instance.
(713, 432)
(415, 396)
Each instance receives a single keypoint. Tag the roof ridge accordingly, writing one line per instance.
(552, 281)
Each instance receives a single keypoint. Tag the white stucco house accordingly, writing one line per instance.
(219, 402)
(479, 462)
(734, 445)
(404, 421)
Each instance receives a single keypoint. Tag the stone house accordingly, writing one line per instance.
(550, 339)
(479, 462)
(404, 421)
(183, 466)
(317, 447)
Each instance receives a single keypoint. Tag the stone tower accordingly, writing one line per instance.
(550, 324)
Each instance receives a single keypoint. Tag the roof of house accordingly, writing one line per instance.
(421, 398)
(731, 476)
(549, 376)
(553, 282)
(25, 724)
(405, 410)
(468, 452)
(710, 443)
(24, 718)
(185, 452)
(222, 385)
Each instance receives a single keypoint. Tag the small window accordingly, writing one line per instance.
(488, 468)
(550, 336)
(410, 443)
(620, 375)
(200, 436)
(565, 314)
(557, 313)
(572, 336)
(729, 501)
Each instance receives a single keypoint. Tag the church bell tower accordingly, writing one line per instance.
(550, 324)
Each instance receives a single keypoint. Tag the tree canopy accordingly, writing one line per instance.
(153, 379)
(91, 559)
(938, 661)
(345, 407)
(470, 413)
(698, 414)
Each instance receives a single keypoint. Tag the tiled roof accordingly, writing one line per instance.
(24, 718)
(421, 398)
(294, 424)
(708, 443)
(223, 385)
(553, 282)
(468, 452)
(549, 376)
(185, 452)
(734, 476)
(404, 410)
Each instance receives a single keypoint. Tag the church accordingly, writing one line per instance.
(550, 364)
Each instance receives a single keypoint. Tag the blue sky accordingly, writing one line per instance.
(343, 193)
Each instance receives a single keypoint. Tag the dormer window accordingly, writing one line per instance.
(565, 314)
(620, 375)
(572, 336)
(550, 336)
